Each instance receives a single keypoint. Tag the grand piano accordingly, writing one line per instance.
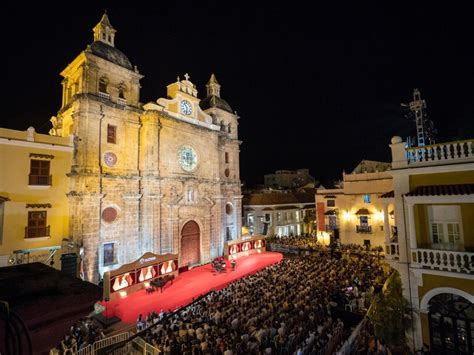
(160, 282)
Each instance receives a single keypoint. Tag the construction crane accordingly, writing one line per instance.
(425, 130)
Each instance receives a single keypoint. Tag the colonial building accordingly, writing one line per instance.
(279, 213)
(433, 248)
(354, 210)
(34, 214)
(161, 177)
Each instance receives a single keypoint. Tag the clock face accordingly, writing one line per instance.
(187, 158)
(186, 107)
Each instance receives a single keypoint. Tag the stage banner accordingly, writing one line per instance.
(321, 221)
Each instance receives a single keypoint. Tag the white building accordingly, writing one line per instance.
(279, 213)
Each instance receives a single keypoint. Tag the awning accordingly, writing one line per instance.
(363, 211)
(389, 194)
(332, 212)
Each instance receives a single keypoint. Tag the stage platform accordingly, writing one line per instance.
(187, 285)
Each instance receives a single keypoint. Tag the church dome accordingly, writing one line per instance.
(215, 101)
(111, 54)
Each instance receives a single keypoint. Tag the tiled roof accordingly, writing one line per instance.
(363, 211)
(332, 212)
(443, 190)
(389, 194)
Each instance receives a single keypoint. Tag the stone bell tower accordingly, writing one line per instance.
(100, 107)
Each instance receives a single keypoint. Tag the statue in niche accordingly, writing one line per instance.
(190, 194)
(75, 141)
(173, 192)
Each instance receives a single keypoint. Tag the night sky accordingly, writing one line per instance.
(315, 87)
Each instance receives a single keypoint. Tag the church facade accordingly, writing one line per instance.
(160, 177)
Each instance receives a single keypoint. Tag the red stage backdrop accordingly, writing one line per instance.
(132, 277)
(237, 248)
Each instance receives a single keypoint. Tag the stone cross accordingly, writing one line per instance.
(186, 76)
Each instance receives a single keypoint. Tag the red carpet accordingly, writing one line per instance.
(186, 286)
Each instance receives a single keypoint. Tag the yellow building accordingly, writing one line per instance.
(34, 211)
(433, 248)
(354, 210)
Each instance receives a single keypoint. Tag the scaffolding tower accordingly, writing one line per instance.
(424, 127)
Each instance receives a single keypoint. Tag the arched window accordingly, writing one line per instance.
(121, 95)
(229, 128)
(103, 85)
(222, 126)
(451, 324)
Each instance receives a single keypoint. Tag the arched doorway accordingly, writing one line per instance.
(451, 320)
(190, 244)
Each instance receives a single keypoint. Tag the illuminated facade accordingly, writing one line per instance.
(434, 248)
(355, 209)
(161, 177)
(33, 204)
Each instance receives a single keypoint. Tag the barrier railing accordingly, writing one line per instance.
(454, 261)
(454, 151)
(94, 348)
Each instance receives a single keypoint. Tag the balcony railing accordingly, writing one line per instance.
(446, 260)
(450, 151)
(36, 232)
(392, 250)
(43, 180)
(330, 228)
(363, 229)
(121, 101)
(104, 95)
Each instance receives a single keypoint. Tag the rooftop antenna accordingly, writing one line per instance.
(424, 127)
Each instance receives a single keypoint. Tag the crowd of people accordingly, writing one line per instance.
(310, 242)
(283, 309)
(306, 241)
(82, 333)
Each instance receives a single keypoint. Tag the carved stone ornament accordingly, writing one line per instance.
(38, 205)
(44, 156)
(110, 159)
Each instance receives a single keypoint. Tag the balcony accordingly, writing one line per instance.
(364, 229)
(440, 153)
(41, 180)
(331, 228)
(444, 260)
(392, 251)
(104, 95)
(37, 232)
(121, 101)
